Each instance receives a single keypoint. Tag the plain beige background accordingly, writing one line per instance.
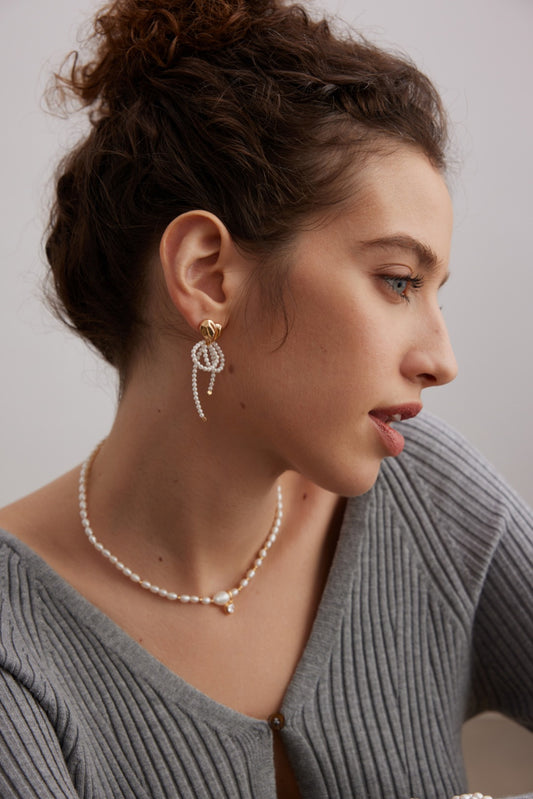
(57, 400)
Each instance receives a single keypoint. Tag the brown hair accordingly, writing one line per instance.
(249, 109)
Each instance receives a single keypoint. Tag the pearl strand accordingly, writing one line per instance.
(471, 796)
(207, 358)
(223, 599)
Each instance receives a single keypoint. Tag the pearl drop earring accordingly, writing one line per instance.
(207, 356)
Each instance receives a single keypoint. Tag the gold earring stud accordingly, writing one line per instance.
(210, 331)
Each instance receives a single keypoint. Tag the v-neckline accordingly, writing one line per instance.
(169, 684)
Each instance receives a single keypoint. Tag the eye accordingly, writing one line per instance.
(403, 285)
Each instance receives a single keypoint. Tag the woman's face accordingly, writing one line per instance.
(366, 334)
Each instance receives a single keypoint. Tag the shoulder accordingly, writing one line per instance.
(455, 474)
(44, 626)
(452, 500)
(37, 609)
(43, 518)
(22, 651)
(436, 445)
(17, 562)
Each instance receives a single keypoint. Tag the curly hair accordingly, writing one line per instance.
(249, 109)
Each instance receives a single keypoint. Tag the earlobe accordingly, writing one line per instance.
(198, 259)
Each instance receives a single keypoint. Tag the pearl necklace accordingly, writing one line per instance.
(223, 599)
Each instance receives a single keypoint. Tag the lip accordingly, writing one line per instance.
(407, 411)
(392, 439)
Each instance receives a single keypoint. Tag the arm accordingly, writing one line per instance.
(502, 666)
(491, 531)
(502, 673)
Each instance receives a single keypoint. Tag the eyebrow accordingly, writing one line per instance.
(427, 258)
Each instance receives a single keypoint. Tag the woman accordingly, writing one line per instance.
(270, 598)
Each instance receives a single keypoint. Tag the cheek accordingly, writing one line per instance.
(359, 333)
(341, 339)
(340, 368)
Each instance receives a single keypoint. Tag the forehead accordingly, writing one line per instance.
(401, 193)
(399, 211)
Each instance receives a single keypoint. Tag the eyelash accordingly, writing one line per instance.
(413, 283)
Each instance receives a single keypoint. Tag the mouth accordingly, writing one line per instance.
(397, 413)
(391, 439)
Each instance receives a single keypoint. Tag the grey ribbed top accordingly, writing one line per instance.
(425, 620)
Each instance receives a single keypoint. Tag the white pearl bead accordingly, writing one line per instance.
(184, 598)
(135, 578)
(127, 572)
(145, 584)
(172, 596)
(221, 598)
(195, 600)
(206, 600)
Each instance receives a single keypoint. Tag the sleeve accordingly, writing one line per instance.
(502, 674)
(31, 761)
(491, 530)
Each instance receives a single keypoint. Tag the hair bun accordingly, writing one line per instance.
(133, 40)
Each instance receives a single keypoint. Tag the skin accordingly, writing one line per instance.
(355, 344)
(191, 502)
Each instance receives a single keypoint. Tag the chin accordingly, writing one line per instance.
(353, 480)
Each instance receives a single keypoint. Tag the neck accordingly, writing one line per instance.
(182, 498)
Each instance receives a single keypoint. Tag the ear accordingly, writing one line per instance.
(204, 272)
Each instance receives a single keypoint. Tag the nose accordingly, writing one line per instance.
(430, 361)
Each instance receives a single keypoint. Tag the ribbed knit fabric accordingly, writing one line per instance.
(425, 619)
